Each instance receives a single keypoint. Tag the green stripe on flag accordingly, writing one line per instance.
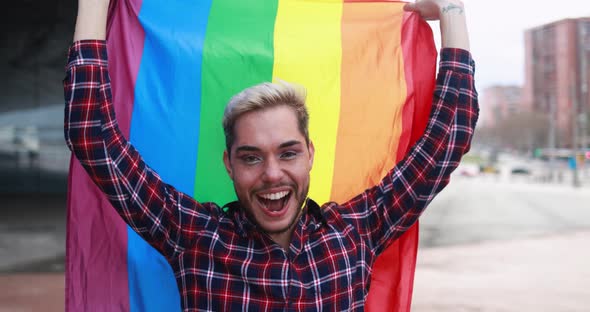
(237, 53)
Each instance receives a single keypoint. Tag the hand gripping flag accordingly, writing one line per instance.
(368, 68)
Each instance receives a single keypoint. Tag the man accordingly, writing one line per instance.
(274, 249)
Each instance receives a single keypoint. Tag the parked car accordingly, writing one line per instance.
(520, 171)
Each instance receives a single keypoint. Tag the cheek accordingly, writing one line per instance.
(302, 171)
(244, 179)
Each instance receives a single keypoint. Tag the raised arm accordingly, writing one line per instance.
(387, 210)
(451, 14)
(91, 23)
(167, 219)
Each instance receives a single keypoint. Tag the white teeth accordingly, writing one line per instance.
(275, 196)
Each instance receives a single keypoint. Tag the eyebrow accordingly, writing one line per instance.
(250, 148)
(247, 148)
(290, 143)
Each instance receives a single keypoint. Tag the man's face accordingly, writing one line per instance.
(269, 165)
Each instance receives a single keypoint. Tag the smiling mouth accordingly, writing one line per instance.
(274, 202)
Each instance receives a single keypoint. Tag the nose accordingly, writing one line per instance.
(272, 171)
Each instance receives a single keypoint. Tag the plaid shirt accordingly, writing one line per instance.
(220, 260)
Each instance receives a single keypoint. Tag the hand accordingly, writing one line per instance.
(451, 13)
(435, 9)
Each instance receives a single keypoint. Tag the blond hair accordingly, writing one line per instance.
(263, 96)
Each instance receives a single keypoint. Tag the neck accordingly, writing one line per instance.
(283, 239)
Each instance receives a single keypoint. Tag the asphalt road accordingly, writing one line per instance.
(468, 211)
(504, 246)
(482, 209)
(32, 232)
(486, 245)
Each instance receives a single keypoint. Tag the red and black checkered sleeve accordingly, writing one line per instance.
(387, 210)
(163, 216)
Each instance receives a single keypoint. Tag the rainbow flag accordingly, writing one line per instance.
(369, 71)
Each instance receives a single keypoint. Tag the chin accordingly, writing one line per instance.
(282, 225)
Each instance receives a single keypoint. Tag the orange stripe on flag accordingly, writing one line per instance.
(373, 95)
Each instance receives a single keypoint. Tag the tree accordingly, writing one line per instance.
(523, 131)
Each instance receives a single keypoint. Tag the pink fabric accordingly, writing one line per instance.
(96, 260)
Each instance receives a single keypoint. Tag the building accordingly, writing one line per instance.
(499, 102)
(557, 70)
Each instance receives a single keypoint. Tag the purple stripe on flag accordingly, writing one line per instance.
(95, 232)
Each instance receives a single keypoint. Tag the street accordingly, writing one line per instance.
(491, 245)
(486, 245)
(32, 233)
(480, 209)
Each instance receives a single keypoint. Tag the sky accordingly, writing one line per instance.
(496, 30)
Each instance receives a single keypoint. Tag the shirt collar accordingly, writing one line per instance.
(311, 220)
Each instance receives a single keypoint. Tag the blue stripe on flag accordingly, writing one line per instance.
(165, 128)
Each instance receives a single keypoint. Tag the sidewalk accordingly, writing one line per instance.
(548, 273)
(32, 292)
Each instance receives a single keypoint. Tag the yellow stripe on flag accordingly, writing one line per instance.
(311, 56)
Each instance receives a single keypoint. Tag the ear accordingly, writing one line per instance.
(311, 150)
(227, 164)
